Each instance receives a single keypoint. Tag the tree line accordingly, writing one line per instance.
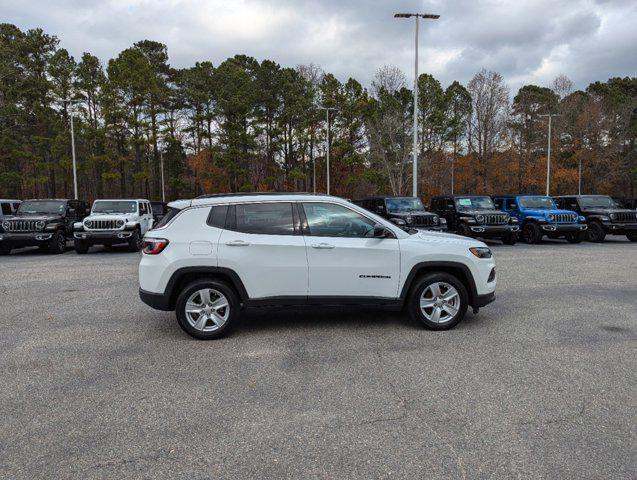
(245, 125)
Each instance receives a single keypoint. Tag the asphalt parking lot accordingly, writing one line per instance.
(540, 384)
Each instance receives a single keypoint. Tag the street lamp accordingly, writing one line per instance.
(548, 155)
(415, 153)
(161, 163)
(72, 103)
(327, 114)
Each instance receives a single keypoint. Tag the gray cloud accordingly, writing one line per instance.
(527, 41)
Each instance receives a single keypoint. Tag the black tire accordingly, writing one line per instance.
(5, 249)
(421, 284)
(135, 241)
(595, 232)
(190, 289)
(632, 237)
(57, 243)
(510, 239)
(464, 230)
(575, 237)
(531, 233)
(80, 246)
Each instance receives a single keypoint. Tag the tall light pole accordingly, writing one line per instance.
(161, 165)
(327, 117)
(71, 111)
(579, 178)
(415, 153)
(548, 154)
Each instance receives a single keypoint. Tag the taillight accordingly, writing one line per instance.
(153, 246)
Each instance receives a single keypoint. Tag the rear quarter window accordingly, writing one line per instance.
(170, 214)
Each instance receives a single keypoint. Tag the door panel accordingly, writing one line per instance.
(343, 259)
(272, 263)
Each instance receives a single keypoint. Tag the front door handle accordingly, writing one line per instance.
(237, 243)
(322, 245)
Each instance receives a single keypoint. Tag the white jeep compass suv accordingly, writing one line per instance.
(214, 255)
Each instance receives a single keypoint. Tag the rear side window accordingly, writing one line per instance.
(170, 214)
(262, 218)
(6, 208)
(511, 204)
(217, 216)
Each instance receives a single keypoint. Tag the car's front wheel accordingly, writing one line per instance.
(575, 237)
(531, 233)
(57, 243)
(135, 241)
(438, 300)
(207, 309)
(596, 232)
(510, 239)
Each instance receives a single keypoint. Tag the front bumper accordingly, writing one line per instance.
(29, 239)
(561, 228)
(109, 237)
(620, 228)
(493, 230)
(482, 300)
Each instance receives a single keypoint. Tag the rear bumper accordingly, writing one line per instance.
(158, 301)
(25, 239)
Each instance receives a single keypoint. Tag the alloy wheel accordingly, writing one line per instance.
(440, 302)
(207, 310)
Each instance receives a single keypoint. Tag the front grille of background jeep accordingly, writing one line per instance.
(496, 219)
(22, 226)
(629, 217)
(564, 218)
(103, 225)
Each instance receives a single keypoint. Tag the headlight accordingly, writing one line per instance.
(119, 223)
(88, 224)
(481, 252)
(436, 220)
(604, 217)
(551, 217)
(480, 218)
(443, 220)
(6, 225)
(408, 219)
(40, 225)
(613, 216)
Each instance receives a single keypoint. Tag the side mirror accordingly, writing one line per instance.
(71, 210)
(399, 222)
(380, 209)
(381, 232)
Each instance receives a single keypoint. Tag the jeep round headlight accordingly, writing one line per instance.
(88, 224)
(613, 216)
(408, 219)
(435, 220)
(40, 224)
(551, 217)
(6, 225)
(119, 223)
(480, 218)
(443, 220)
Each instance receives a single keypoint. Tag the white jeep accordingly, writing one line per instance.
(113, 222)
(211, 256)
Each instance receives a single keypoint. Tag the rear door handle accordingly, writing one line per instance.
(237, 243)
(322, 245)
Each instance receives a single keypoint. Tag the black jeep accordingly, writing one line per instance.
(476, 216)
(43, 223)
(406, 212)
(603, 216)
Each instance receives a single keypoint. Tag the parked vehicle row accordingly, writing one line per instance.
(50, 223)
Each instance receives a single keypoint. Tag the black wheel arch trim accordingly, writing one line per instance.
(472, 290)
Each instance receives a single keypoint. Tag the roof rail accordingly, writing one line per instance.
(250, 194)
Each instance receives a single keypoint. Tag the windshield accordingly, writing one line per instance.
(42, 206)
(405, 204)
(603, 202)
(118, 206)
(474, 203)
(539, 203)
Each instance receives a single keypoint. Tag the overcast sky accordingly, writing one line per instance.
(527, 41)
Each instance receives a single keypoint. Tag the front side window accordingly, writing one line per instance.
(474, 203)
(597, 202)
(537, 203)
(331, 220)
(6, 208)
(264, 218)
(31, 207)
(405, 204)
(511, 205)
(115, 206)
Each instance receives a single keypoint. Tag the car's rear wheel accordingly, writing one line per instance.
(207, 309)
(510, 239)
(596, 232)
(531, 233)
(438, 300)
(57, 243)
(632, 237)
(81, 246)
(575, 237)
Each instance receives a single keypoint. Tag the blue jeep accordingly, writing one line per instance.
(538, 216)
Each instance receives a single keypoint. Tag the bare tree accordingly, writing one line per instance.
(388, 78)
(562, 86)
(487, 124)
